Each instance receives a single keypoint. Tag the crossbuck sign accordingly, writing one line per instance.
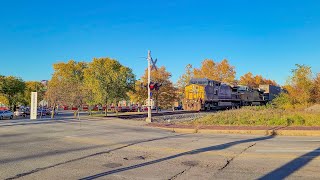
(154, 64)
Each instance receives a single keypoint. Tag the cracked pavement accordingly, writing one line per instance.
(124, 149)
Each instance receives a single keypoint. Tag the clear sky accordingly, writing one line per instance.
(266, 37)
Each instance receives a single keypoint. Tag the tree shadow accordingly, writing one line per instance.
(79, 158)
(37, 122)
(196, 151)
(292, 166)
(12, 135)
(60, 152)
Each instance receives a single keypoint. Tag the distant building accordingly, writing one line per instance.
(45, 82)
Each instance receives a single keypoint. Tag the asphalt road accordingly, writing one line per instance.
(125, 149)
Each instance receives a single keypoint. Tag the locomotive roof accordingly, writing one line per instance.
(203, 81)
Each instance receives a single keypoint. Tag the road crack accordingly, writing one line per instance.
(85, 157)
(179, 174)
(230, 160)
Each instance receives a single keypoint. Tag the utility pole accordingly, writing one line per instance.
(149, 79)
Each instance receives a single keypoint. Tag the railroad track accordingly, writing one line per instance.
(163, 115)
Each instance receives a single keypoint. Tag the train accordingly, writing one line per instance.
(203, 94)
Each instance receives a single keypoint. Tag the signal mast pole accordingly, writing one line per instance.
(149, 79)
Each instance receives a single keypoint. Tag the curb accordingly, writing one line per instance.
(253, 132)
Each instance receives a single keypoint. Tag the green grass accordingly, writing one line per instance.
(261, 116)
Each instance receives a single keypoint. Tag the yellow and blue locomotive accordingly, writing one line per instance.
(206, 94)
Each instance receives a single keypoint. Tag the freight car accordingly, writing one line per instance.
(206, 94)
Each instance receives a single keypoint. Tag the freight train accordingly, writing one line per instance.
(204, 94)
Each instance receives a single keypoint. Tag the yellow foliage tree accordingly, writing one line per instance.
(316, 89)
(65, 86)
(299, 85)
(33, 86)
(4, 100)
(220, 71)
(254, 81)
(165, 96)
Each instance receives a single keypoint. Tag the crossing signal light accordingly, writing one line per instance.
(155, 86)
(152, 85)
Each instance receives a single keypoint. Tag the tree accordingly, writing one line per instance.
(3, 100)
(221, 71)
(11, 87)
(166, 95)
(226, 72)
(54, 91)
(254, 81)
(66, 84)
(299, 85)
(33, 86)
(248, 80)
(140, 92)
(316, 89)
(107, 81)
(207, 70)
(184, 80)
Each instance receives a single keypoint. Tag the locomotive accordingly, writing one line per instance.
(203, 94)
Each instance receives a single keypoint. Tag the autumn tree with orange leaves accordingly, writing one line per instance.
(164, 97)
(300, 84)
(249, 79)
(302, 89)
(316, 89)
(219, 71)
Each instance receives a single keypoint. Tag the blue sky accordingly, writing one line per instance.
(264, 37)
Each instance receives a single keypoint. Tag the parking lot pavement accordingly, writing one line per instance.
(123, 149)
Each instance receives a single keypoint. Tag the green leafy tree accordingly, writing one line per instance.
(107, 81)
(11, 87)
(33, 86)
(66, 84)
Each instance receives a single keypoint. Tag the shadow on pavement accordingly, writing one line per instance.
(196, 151)
(76, 159)
(292, 166)
(44, 121)
(12, 135)
(59, 152)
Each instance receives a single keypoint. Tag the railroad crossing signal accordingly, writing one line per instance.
(155, 86)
